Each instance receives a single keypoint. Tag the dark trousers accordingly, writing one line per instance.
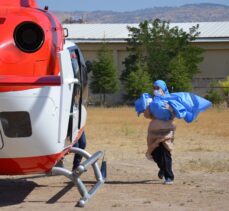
(82, 145)
(163, 159)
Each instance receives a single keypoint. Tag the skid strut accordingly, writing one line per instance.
(91, 160)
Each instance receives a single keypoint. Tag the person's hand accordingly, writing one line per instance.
(147, 114)
(167, 106)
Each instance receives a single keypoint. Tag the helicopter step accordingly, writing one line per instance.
(74, 176)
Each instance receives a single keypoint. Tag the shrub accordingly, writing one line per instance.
(214, 95)
(225, 85)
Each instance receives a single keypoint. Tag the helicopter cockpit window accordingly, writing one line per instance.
(16, 124)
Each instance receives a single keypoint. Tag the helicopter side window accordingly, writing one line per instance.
(75, 65)
(76, 72)
(84, 68)
(84, 76)
(78, 63)
(16, 124)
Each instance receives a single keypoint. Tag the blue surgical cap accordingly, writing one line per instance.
(162, 85)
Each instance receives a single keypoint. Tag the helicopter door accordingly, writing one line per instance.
(78, 118)
(83, 88)
(68, 81)
(75, 105)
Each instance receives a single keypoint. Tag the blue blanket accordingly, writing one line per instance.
(142, 103)
(185, 106)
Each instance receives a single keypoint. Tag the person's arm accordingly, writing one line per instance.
(167, 106)
(147, 114)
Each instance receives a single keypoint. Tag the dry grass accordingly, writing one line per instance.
(201, 145)
(207, 165)
(113, 128)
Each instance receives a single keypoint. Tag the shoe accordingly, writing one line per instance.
(168, 181)
(160, 174)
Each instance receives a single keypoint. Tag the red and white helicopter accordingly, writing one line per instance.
(43, 80)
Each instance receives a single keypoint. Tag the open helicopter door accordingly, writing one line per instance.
(77, 119)
(70, 113)
(67, 85)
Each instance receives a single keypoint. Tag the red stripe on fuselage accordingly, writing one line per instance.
(28, 165)
(8, 80)
(10, 83)
(32, 165)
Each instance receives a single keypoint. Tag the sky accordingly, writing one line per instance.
(117, 5)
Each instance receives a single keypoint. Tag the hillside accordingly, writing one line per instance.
(186, 13)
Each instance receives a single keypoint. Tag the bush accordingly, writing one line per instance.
(214, 95)
(225, 85)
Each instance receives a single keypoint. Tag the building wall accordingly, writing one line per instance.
(214, 67)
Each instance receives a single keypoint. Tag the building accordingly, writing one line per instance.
(213, 38)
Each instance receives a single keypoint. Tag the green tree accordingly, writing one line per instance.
(178, 72)
(104, 74)
(138, 82)
(166, 53)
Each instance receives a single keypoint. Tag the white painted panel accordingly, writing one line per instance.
(43, 108)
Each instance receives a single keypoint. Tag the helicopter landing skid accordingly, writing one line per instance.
(74, 176)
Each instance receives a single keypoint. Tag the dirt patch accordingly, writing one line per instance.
(201, 170)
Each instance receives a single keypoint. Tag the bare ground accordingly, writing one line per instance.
(201, 167)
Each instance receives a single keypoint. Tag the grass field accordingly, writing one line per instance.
(112, 128)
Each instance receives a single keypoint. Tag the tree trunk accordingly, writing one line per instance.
(101, 99)
(104, 99)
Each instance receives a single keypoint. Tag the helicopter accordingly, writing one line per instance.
(43, 89)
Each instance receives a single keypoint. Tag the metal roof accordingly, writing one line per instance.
(209, 31)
